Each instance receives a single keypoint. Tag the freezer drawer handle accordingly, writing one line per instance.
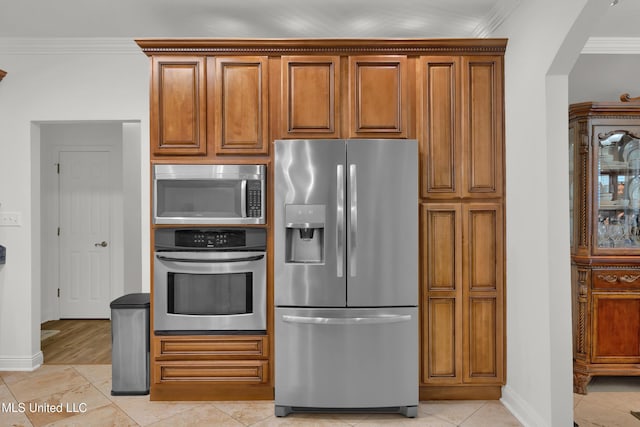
(390, 318)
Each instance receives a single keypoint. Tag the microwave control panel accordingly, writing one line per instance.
(254, 199)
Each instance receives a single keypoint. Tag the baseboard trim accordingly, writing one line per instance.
(21, 363)
(521, 409)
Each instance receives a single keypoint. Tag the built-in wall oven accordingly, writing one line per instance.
(208, 194)
(210, 281)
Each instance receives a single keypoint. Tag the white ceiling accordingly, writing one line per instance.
(42, 19)
(253, 18)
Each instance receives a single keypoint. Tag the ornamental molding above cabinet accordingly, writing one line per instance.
(322, 46)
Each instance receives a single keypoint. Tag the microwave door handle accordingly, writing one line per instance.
(340, 221)
(209, 261)
(243, 198)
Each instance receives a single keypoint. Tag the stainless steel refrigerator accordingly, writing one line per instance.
(346, 275)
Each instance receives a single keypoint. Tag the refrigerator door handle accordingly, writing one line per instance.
(369, 320)
(340, 221)
(353, 218)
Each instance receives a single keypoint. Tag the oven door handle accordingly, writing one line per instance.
(209, 260)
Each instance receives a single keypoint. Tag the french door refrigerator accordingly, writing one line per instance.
(346, 275)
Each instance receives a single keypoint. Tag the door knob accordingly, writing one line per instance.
(103, 244)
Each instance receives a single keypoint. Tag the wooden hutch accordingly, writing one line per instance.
(604, 147)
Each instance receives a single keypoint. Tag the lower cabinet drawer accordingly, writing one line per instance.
(219, 371)
(616, 279)
(210, 346)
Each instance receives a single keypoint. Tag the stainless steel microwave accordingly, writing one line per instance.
(209, 194)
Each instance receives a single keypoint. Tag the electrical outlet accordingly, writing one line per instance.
(10, 219)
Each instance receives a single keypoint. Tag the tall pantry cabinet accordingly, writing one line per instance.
(462, 223)
(226, 101)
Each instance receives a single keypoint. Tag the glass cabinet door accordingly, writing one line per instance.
(617, 188)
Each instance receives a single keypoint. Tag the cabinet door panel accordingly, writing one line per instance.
(378, 96)
(241, 102)
(482, 131)
(310, 93)
(178, 106)
(440, 125)
(442, 275)
(481, 344)
(484, 247)
(616, 328)
(442, 240)
(483, 292)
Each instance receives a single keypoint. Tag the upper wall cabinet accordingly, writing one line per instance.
(460, 118)
(238, 104)
(378, 102)
(178, 106)
(310, 97)
(206, 106)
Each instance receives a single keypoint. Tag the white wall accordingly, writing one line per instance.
(599, 77)
(545, 38)
(59, 84)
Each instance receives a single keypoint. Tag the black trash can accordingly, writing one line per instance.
(130, 345)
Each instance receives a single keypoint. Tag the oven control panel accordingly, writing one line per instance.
(214, 238)
(210, 238)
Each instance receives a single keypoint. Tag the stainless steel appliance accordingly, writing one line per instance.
(346, 275)
(210, 281)
(209, 194)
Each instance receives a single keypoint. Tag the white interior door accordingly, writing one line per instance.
(85, 233)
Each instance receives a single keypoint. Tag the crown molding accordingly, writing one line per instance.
(496, 16)
(67, 45)
(612, 45)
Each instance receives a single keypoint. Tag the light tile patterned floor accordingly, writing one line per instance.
(608, 403)
(86, 389)
(29, 399)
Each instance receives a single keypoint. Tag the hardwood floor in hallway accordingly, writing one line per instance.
(80, 341)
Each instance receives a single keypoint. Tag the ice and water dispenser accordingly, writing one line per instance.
(305, 233)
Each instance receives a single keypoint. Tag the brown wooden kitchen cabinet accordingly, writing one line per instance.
(463, 293)
(604, 147)
(378, 98)
(217, 367)
(310, 97)
(209, 106)
(461, 126)
(226, 100)
(178, 106)
(238, 104)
